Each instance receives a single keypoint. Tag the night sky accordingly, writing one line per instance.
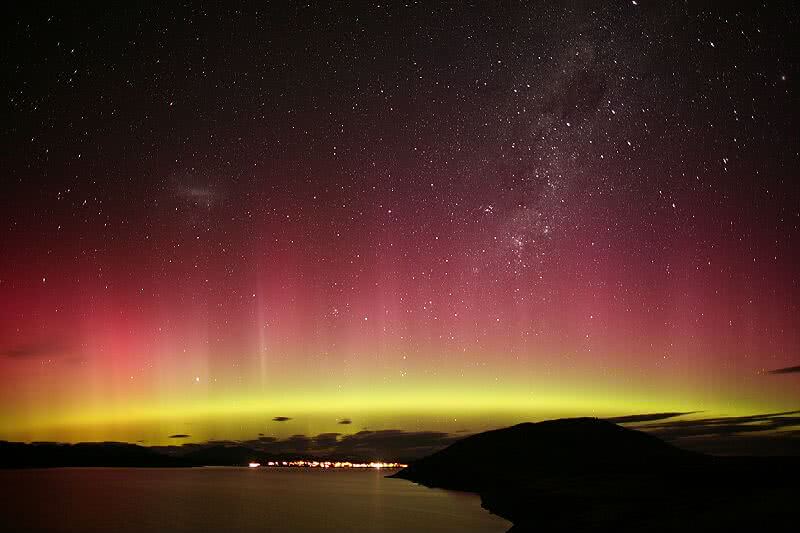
(420, 216)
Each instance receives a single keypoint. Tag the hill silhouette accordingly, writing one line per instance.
(119, 454)
(586, 474)
(575, 445)
(109, 454)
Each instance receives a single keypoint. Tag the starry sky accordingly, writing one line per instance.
(418, 216)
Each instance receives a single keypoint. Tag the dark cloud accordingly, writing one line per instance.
(787, 370)
(630, 419)
(764, 434)
(35, 350)
(299, 444)
(394, 444)
(179, 436)
(281, 419)
(326, 440)
(221, 442)
(345, 421)
(784, 443)
(386, 445)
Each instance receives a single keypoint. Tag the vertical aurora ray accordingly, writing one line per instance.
(249, 217)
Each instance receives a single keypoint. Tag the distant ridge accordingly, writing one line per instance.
(106, 454)
(119, 454)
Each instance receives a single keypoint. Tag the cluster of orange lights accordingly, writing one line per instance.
(329, 464)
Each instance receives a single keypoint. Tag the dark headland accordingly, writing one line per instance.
(586, 474)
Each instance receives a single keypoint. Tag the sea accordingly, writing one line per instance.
(241, 500)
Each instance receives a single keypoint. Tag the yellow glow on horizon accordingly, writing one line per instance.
(429, 408)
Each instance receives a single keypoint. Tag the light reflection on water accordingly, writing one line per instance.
(233, 499)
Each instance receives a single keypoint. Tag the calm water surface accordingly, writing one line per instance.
(232, 499)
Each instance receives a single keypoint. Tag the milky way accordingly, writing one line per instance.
(417, 217)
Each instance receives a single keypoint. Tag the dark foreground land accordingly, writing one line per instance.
(119, 454)
(86, 454)
(580, 474)
(586, 474)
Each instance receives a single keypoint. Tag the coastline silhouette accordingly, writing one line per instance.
(586, 474)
